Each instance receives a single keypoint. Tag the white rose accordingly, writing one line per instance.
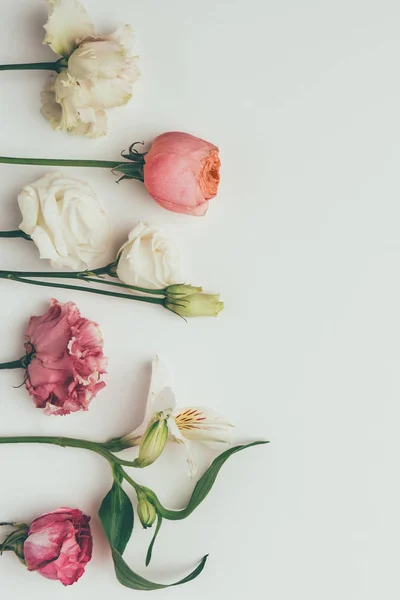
(66, 221)
(149, 259)
(97, 73)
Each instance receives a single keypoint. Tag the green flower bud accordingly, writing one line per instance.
(146, 511)
(182, 290)
(153, 441)
(195, 305)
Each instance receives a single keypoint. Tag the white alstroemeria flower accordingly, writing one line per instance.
(164, 421)
(97, 73)
(149, 259)
(66, 221)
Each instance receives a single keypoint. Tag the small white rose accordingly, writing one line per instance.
(149, 259)
(66, 221)
(98, 75)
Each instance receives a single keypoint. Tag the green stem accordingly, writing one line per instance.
(59, 162)
(42, 66)
(124, 285)
(17, 233)
(15, 277)
(13, 364)
(83, 276)
(66, 442)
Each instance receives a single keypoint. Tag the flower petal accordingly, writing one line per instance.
(161, 397)
(68, 23)
(176, 434)
(205, 425)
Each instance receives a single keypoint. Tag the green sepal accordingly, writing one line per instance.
(132, 580)
(14, 542)
(116, 515)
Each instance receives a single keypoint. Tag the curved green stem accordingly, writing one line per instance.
(17, 233)
(42, 66)
(66, 442)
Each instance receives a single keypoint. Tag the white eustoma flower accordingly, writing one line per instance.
(149, 259)
(66, 221)
(97, 72)
(185, 425)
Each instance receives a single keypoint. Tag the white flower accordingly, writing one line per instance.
(184, 425)
(149, 259)
(66, 221)
(98, 74)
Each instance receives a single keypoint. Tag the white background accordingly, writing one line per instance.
(303, 241)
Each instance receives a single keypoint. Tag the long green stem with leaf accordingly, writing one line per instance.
(116, 511)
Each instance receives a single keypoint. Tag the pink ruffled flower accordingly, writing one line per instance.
(65, 359)
(181, 172)
(59, 545)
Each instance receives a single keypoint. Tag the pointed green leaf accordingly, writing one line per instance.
(150, 550)
(129, 579)
(202, 487)
(116, 515)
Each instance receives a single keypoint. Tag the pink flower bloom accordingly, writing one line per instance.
(181, 172)
(59, 545)
(65, 359)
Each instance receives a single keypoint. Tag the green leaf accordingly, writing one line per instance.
(202, 487)
(116, 515)
(129, 579)
(150, 550)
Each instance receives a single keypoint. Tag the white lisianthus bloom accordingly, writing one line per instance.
(149, 259)
(199, 424)
(66, 221)
(97, 72)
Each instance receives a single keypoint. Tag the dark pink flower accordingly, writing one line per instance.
(59, 545)
(65, 359)
(181, 172)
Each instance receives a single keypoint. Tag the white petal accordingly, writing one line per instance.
(67, 25)
(97, 58)
(149, 259)
(180, 439)
(161, 397)
(204, 425)
(108, 93)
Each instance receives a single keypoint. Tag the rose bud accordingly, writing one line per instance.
(195, 305)
(64, 359)
(146, 511)
(59, 545)
(153, 441)
(181, 172)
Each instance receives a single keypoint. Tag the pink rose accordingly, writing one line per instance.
(65, 359)
(59, 545)
(181, 172)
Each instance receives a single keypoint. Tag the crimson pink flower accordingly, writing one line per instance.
(181, 172)
(59, 545)
(65, 359)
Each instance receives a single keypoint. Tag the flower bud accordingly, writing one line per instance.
(153, 442)
(182, 290)
(195, 305)
(146, 511)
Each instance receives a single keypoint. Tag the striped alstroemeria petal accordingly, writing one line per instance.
(204, 425)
